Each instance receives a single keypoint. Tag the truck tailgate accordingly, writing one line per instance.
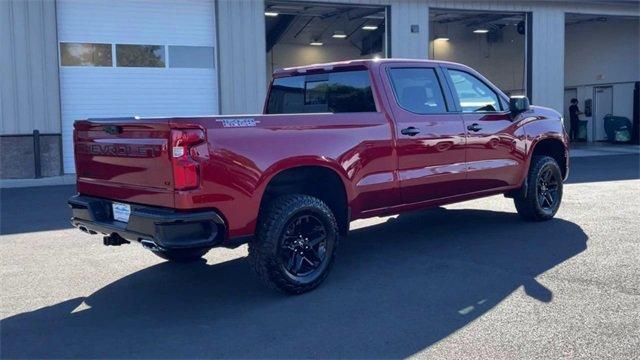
(125, 159)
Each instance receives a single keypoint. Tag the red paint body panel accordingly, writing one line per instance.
(382, 170)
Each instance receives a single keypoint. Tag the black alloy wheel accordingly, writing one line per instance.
(539, 197)
(547, 188)
(304, 245)
(295, 243)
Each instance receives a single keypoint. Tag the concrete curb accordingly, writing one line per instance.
(69, 179)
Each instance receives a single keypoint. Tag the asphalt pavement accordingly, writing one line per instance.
(466, 281)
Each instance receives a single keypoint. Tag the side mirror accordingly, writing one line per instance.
(518, 104)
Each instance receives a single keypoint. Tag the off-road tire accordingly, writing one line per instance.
(527, 199)
(265, 250)
(181, 255)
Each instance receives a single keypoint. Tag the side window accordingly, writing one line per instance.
(418, 90)
(85, 54)
(139, 55)
(339, 92)
(473, 94)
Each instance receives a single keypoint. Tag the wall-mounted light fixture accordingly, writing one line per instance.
(370, 27)
(271, 13)
(480, 31)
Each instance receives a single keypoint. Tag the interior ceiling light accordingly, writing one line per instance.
(270, 13)
(370, 27)
(316, 43)
(339, 35)
(480, 31)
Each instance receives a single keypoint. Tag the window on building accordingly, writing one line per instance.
(473, 94)
(339, 92)
(191, 57)
(140, 55)
(418, 90)
(85, 54)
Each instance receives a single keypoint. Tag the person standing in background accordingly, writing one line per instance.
(574, 118)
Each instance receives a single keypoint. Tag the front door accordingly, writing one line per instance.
(603, 107)
(495, 147)
(430, 138)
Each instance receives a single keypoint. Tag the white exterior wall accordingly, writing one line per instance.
(547, 58)
(602, 52)
(404, 43)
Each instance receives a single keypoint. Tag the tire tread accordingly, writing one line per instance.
(263, 249)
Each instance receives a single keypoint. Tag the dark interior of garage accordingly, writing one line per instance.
(308, 33)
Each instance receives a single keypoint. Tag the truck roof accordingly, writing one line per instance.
(368, 63)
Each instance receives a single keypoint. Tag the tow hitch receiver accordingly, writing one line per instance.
(114, 240)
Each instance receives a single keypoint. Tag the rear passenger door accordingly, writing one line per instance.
(494, 148)
(430, 134)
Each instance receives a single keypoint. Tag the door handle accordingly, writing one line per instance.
(411, 131)
(474, 127)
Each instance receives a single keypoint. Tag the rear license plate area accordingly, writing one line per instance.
(121, 212)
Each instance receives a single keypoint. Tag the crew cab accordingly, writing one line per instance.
(336, 142)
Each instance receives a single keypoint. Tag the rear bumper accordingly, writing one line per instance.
(165, 227)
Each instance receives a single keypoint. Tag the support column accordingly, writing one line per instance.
(547, 67)
(242, 58)
(406, 43)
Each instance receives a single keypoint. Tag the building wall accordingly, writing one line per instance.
(602, 52)
(242, 61)
(404, 43)
(29, 88)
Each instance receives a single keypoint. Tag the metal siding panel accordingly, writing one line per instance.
(548, 58)
(22, 75)
(243, 66)
(51, 70)
(35, 64)
(7, 72)
(29, 83)
(405, 44)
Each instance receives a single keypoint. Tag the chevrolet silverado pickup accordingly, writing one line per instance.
(336, 142)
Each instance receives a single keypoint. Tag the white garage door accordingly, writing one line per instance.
(135, 58)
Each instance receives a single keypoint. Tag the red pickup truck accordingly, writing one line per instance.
(337, 142)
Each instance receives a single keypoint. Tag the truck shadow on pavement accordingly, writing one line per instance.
(396, 289)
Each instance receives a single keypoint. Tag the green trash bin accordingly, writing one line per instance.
(582, 130)
(617, 128)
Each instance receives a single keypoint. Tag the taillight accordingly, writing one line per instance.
(186, 170)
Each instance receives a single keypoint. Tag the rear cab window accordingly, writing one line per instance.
(335, 92)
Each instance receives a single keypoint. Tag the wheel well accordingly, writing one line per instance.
(317, 181)
(555, 149)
